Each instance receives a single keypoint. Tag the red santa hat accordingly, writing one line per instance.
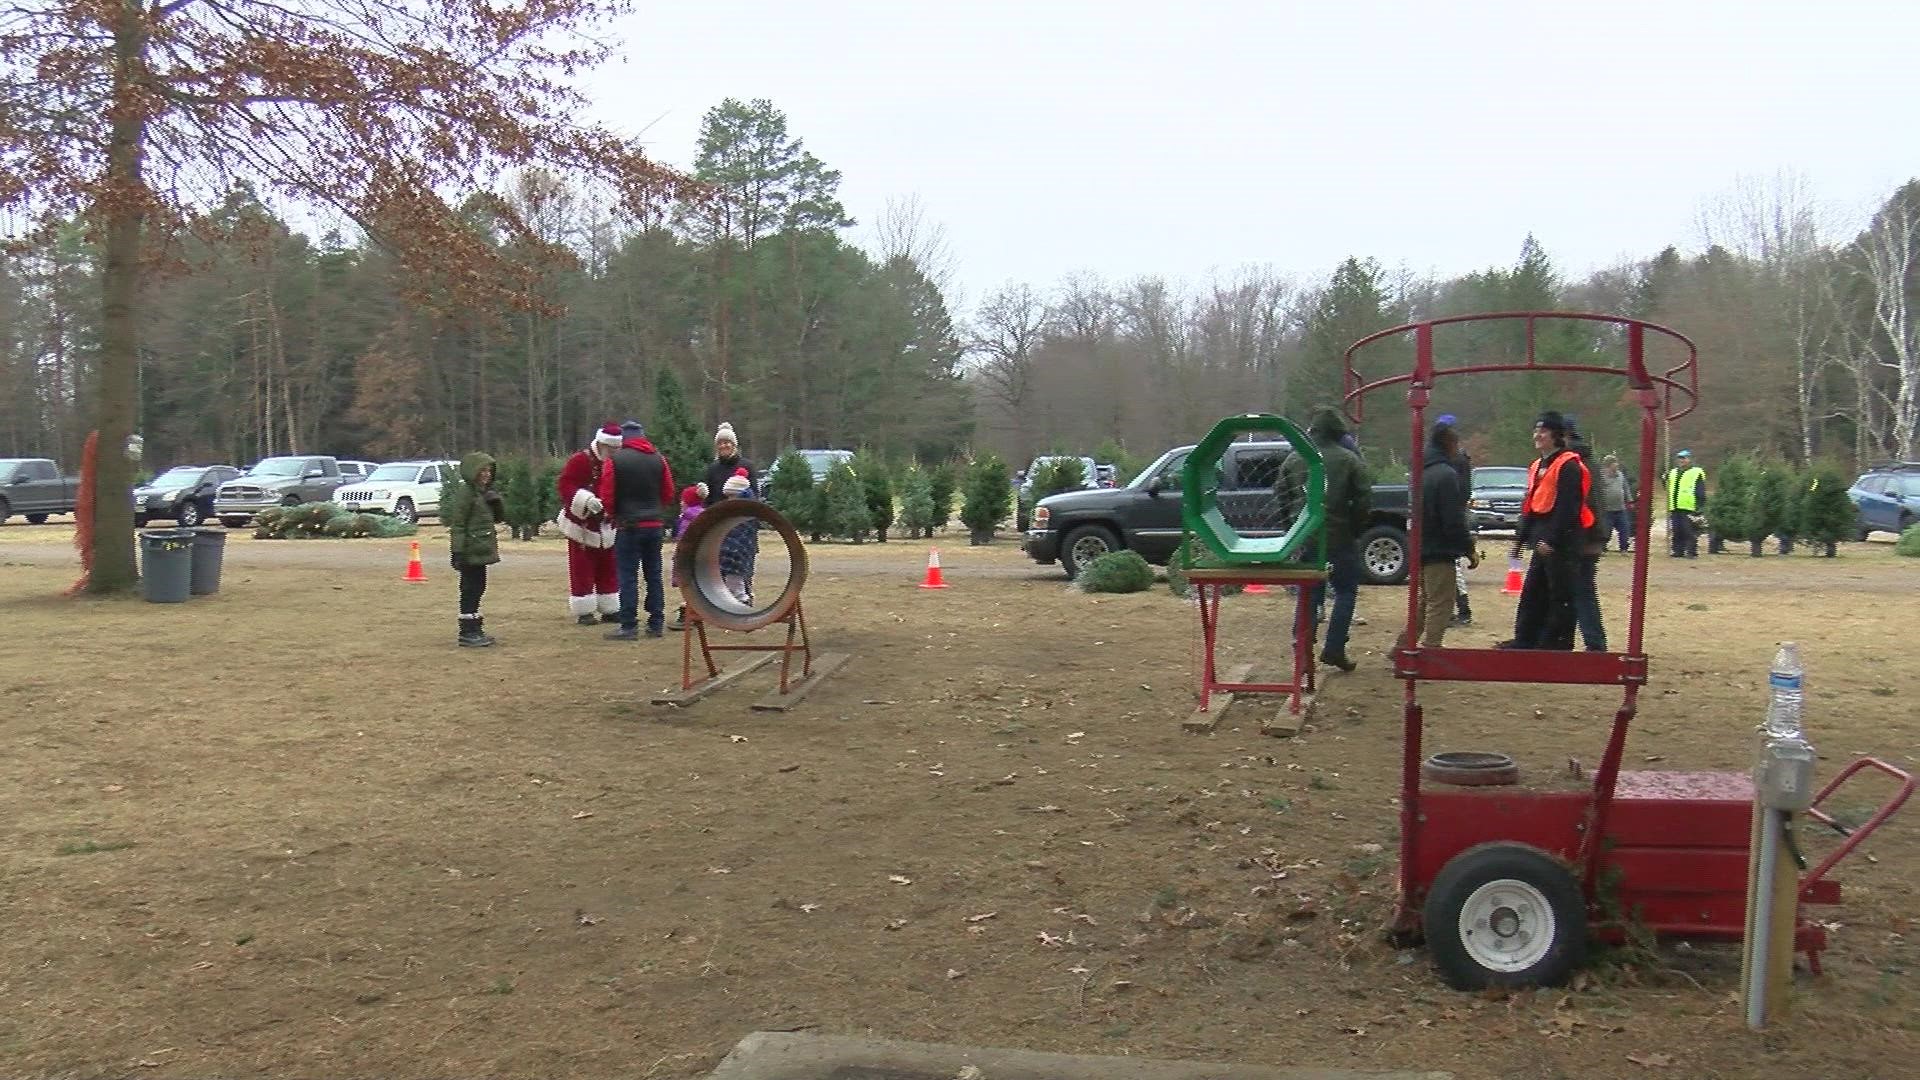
(608, 438)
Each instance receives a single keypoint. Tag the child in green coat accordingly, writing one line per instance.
(470, 509)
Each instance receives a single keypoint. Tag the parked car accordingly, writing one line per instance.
(822, 461)
(1103, 476)
(405, 489)
(276, 481)
(1075, 527)
(1498, 491)
(1888, 497)
(355, 471)
(33, 487)
(183, 494)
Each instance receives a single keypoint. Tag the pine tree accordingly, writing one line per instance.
(675, 432)
(515, 479)
(790, 490)
(1827, 513)
(1730, 510)
(1060, 474)
(941, 482)
(989, 495)
(1768, 505)
(877, 487)
(916, 503)
(843, 505)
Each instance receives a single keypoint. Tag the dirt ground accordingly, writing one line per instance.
(291, 830)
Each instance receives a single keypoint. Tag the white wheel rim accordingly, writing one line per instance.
(1383, 557)
(1507, 926)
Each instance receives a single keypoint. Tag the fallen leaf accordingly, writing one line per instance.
(581, 918)
(899, 879)
(1051, 941)
(982, 917)
(788, 768)
(1650, 1061)
(736, 738)
(719, 870)
(114, 787)
(956, 973)
(895, 924)
(809, 908)
(582, 815)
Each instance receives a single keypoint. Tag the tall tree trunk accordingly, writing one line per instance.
(123, 204)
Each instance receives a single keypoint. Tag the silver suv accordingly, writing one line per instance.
(276, 481)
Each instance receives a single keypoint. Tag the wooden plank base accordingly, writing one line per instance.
(1217, 704)
(824, 664)
(726, 678)
(1286, 723)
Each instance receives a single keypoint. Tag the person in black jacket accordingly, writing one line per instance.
(1444, 536)
(1553, 522)
(636, 487)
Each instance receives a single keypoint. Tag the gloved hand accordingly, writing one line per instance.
(594, 505)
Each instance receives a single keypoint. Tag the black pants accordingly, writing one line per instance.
(1545, 616)
(473, 584)
(1686, 539)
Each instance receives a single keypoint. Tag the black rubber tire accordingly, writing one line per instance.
(190, 515)
(1072, 561)
(140, 521)
(1381, 534)
(5, 509)
(404, 511)
(1480, 866)
(290, 500)
(234, 522)
(38, 519)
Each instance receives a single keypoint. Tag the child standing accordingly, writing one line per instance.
(692, 500)
(470, 511)
(742, 543)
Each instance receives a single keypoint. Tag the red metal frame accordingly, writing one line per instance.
(1666, 850)
(1210, 583)
(796, 622)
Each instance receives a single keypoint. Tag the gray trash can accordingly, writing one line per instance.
(209, 545)
(166, 565)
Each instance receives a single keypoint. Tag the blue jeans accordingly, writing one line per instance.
(1343, 573)
(636, 551)
(1620, 524)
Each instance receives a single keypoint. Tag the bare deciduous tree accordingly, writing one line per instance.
(1006, 338)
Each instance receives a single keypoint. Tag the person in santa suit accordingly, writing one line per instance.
(593, 591)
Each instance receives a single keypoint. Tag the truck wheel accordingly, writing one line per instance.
(404, 511)
(1383, 555)
(5, 509)
(234, 522)
(1085, 544)
(189, 514)
(1505, 915)
(139, 521)
(291, 500)
(37, 519)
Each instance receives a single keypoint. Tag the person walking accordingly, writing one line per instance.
(637, 489)
(593, 587)
(470, 510)
(1552, 519)
(1610, 498)
(1592, 544)
(1444, 537)
(1349, 499)
(1463, 464)
(1686, 496)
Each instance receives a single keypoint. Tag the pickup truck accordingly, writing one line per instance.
(276, 481)
(34, 488)
(1075, 527)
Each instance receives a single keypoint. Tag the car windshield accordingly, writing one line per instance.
(178, 476)
(395, 473)
(278, 466)
(1909, 486)
(1499, 478)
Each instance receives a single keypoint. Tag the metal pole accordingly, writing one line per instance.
(1756, 957)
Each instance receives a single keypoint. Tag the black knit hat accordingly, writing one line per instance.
(1553, 422)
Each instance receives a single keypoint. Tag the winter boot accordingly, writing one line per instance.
(472, 636)
(588, 619)
(1338, 660)
(679, 619)
(1462, 612)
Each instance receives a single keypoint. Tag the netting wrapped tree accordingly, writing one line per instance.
(1246, 504)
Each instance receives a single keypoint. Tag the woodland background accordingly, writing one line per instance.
(266, 336)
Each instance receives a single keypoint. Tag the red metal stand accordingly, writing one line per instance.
(796, 622)
(1210, 583)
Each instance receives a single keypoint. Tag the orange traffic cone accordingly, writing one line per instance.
(1512, 587)
(1256, 589)
(933, 581)
(415, 572)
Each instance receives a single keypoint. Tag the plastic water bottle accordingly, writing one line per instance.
(1783, 705)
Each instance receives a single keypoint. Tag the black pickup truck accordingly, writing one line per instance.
(34, 488)
(1076, 527)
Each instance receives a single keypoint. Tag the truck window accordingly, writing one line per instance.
(1257, 470)
(41, 470)
(327, 466)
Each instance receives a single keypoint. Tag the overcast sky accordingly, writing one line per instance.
(1057, 136)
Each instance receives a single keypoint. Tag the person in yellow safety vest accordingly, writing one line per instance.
(1554, 520)
(1686, 497)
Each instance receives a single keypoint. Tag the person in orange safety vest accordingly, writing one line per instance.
(1553, 522)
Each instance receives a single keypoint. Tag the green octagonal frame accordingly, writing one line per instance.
(1200, 506)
